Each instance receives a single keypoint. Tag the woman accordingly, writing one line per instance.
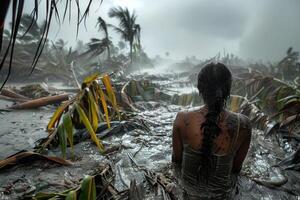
(210, 143)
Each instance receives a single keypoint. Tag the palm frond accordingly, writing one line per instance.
(102, 26)
(16, 18)
(122, 33)
(17, 9)
(97, 46)
(83, 109)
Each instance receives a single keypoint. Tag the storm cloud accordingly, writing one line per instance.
(254, 29)
(273, 28)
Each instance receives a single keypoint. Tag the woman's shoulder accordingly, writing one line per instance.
(243, 120)
(243, 124)
(188, 114)
(193, 110)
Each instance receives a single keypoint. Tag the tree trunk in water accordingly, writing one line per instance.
(12, 99)
(40, 102)
(12, 94)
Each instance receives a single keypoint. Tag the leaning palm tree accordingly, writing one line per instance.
(29, 30)
(27, 39)
(17, 8)
(96, 47)
(102, 26)
(128, 29)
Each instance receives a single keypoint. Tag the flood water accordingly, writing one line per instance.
(151, 149)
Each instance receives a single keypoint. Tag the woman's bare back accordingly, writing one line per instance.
(188, 128)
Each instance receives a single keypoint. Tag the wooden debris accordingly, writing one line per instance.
(11, 94)
(24, 156)
(44, 101)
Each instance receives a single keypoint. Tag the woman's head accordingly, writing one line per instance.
(214, 81)
(214, 84)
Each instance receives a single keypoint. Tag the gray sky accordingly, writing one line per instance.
(254, 29)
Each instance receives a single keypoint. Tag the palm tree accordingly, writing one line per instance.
(97, 47)
(17, 7)
(102, 26)
(30, 30)
(128, 29)
(27, 39)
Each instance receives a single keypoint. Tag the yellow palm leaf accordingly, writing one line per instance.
(91, 78)
(104, 104)
(57, 114)
(111, 94)
(234, 103)
(89, 127)
(94, 109)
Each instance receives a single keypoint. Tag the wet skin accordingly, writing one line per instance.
(187, 130)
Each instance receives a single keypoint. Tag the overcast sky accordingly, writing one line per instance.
(254, 29)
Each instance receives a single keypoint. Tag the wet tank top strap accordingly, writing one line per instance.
(233, 144)
(220, 183)
(186, 118)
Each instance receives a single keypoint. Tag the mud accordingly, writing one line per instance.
(259, 179)
(20, 129)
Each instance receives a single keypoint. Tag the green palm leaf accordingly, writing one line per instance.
(89, 127)
(88, 189)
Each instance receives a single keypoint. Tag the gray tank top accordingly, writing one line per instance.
(221, 181)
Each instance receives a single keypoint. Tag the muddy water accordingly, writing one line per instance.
(151, 149)
(20, 129)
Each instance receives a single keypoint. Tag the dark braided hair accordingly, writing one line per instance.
(214, 84)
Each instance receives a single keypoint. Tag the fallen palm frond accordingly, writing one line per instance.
(95, 103)
(126, 100)
(144, 90)
(271, 92)
(186, 99)
(289, 115)
(157, 181)
(92, 187)
(242, 105)
(26, 156)
(279, 99)
(235, 102)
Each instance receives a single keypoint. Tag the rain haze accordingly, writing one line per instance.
(251, 29)
(140, 99)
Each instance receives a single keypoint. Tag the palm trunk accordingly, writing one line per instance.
(108, 53)
(131, 52)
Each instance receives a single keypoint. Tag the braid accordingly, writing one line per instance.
(214, 83)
